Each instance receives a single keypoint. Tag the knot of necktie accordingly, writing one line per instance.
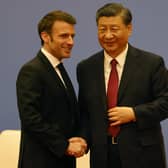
(113, 63)
(60, 66)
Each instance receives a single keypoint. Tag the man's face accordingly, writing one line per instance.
(60, 41)
(113, 34)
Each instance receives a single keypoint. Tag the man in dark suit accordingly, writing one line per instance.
(46, 100)
(139, 106)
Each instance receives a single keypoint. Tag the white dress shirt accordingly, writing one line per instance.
(54, 62)
(120, 66)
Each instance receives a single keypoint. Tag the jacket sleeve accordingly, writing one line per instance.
(29, 93)
(150, 114)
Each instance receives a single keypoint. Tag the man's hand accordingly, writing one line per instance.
(77, 147)
(121, 115)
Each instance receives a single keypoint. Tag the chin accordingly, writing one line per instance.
(66, 56)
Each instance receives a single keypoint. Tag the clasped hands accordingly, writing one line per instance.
(77, 147)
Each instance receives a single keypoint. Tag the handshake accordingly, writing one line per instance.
(77, 147)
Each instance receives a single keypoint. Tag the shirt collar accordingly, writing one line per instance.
(120, 58)
(53, 60)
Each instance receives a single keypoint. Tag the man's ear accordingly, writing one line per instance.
(45, 37)
(130, 28)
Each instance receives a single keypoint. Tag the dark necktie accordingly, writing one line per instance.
(72, 115)
(66, 79)
(64, 75)
(112, 92)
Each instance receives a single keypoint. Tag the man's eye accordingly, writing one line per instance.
(64, 35)
(102, 30)
(114, 29)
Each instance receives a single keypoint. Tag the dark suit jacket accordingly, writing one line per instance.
(144, 87)
(48, 116)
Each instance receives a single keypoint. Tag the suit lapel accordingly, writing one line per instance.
(130, 68)
(53, 73)
(69, 92)
(49, 68)
(99, 78)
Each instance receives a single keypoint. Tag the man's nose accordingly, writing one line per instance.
(109, 34)
(70, 40)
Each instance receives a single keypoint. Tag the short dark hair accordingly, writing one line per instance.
(114, 9)
(46, 23)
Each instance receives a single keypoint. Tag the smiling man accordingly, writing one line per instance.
(123, 97)
(46, 99)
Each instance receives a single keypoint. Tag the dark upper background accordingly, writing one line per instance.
(20, 41)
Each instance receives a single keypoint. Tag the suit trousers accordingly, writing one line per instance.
(113, 155)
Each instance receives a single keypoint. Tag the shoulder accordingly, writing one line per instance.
(34, 63)
(32, 67)
(145, 56)
(91, 60)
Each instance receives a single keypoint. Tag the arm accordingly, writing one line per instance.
(84, 115)
(29, 95)
(155, 106)
(155, 111)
